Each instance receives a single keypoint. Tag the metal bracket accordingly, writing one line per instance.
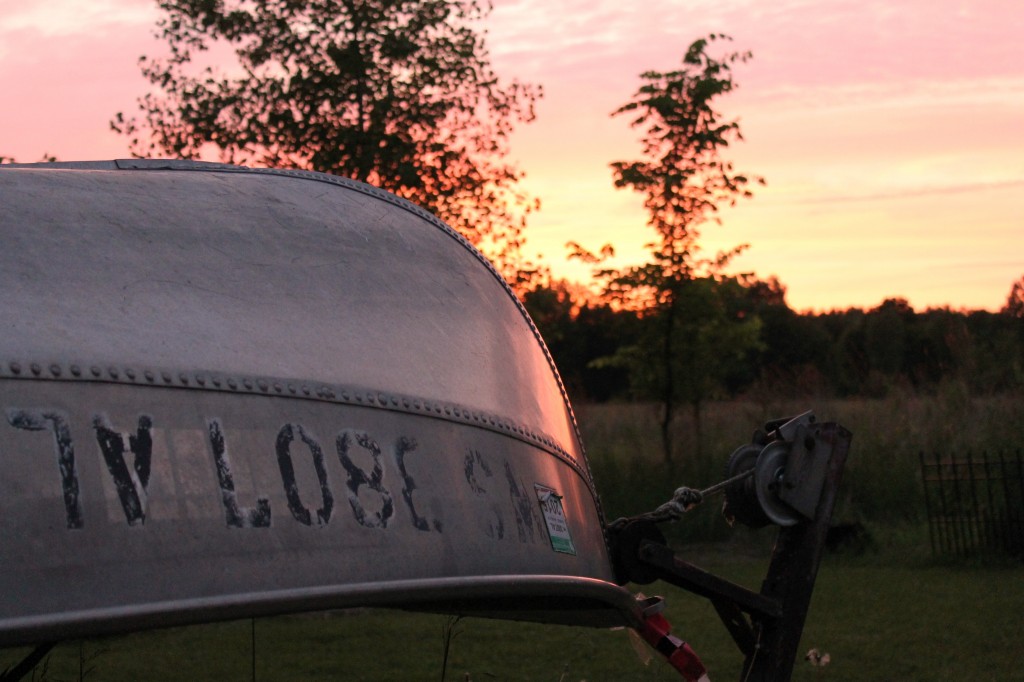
(765, 625)
(25, 666)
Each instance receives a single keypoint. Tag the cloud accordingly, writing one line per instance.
(66, 87)
(897, 194)
(911, 93)
(55, 18)
(796, 43)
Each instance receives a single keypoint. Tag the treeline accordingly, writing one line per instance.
(845, 353)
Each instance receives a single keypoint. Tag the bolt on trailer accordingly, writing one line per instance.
(232, 392)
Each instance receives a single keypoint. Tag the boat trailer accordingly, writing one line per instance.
(788, 476)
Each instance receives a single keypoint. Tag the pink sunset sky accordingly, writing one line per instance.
(891, 133)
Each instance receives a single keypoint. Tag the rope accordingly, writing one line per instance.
(683, 500)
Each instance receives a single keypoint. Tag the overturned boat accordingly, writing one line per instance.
(233, 392)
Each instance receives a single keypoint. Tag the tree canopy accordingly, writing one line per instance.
(397, 93)
(1015, 300)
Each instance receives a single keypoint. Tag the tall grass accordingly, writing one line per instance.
(881, 484)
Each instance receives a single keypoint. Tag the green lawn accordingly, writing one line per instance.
(880, 617)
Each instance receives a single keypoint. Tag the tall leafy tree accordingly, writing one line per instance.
(1015, 300)
(46, 158)
(1014, 311)
(397, 93)
(684, 179)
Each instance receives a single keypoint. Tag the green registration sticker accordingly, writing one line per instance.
(554, 517)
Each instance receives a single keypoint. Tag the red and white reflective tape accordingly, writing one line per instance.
(656, 631)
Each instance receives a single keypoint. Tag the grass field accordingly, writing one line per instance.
(880, 617)
(890, 613)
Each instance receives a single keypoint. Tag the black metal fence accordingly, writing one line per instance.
(975, 505)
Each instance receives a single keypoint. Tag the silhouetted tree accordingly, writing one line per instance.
(399, 94)
(579, 333)
(683, 178)
(795, 347)
(1015, 301)
(936, 343)
(885, 336)
(848, 362)
(46, 158)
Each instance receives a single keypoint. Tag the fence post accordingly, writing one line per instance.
(980, 540)
(947, 534)
(927, 500)
(992, 528)
(1018, 536)
(963, 529)
(965, 522)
